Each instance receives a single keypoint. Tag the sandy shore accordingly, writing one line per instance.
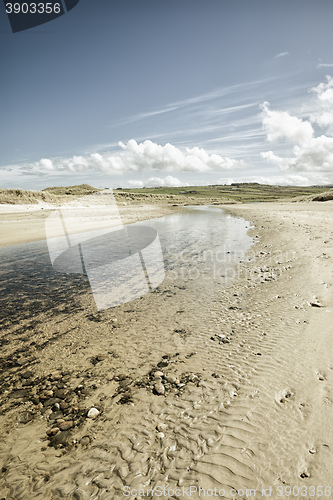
(24, 223)
(247, 371)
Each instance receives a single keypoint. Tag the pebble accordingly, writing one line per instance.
(55, 415)
(125, 382)
(64, 426)
(53, 431)
(60, 393)
(315, 303)
(171, 377)
(159, 388)
(26, 374)
(158, 374)
(161, 427)
(85, 440)
(93, 413)
(61, 439)
(100, 357)
(163, 364)
(160, 435)
(55, 376)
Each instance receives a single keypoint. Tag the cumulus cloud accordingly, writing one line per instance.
(168, 181)
(137, 157)
(310, 153)
(282, 125)
(324, 116)
(324, 90)
(294, 179)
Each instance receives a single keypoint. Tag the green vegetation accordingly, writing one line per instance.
(238, 192)
(80, 190)
(194, 195)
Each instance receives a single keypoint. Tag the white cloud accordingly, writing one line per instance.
(325, 65)
(167, 181)
(324, 90)
(310, 154)
(281, 125)
(304, 179)
(324, 116)
(281, 54)
(314, 156)
(138, 157)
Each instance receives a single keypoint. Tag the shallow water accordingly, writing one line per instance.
(198, 243)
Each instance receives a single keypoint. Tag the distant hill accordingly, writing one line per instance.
(78, 190)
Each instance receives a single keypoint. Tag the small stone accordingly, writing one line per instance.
(51, 402)
(26, 374)
(61, 439)
(19, 394)
(100, 357)
(125, 382)
(160, 435)
(55, 376)
(161, 427)
(55, 415)
(53, 431)
(61, 393)
(93, 413)
(163, 364)
(158, 374)
(65, 426)
(315, 303)
(85, 440)
(159, 388)
(171, 377)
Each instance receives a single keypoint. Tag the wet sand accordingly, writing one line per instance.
(246, 371)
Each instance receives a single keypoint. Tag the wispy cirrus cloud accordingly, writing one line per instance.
(281, 54)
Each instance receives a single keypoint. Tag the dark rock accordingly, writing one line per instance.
(51, 402)
(126, 382)
(61, 439)
(163, 364)
(55, 415)
(65, 426)
(19, 394)
(61, 393)
(26, 374)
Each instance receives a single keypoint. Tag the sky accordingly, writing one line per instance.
(133, 93)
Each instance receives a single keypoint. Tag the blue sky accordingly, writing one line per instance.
(153, 92)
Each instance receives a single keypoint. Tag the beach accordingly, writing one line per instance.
(227, 388)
